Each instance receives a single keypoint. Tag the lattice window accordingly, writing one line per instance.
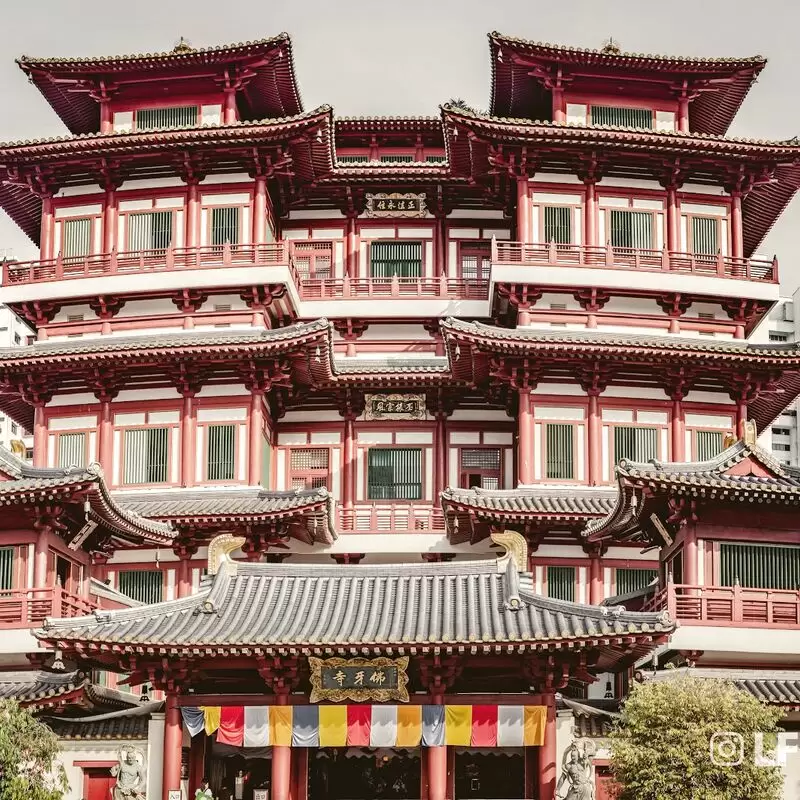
(350, 159)
(397, 159)
(313, 260)
(146, 456)
(635, 443)
(480, 467)
(151, 230)
(632, 229)
(760, 566)
(225, 225)
(559, 451)
(394, 473)
(401, 258)
(708, 444)
(558, 224)
(434, 159)
(621, 117)
(144, 585)
(221, 464)
(561, 583)
(705, 236)
(309, 468)
(71, 450)
(632, 580)
(6, 568)
(169, 117)
(475, 261)
(76, 237)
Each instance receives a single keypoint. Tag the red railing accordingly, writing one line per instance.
(23, 608)
(728, 605)
(379, 517)
(608, 257)
(173, 258)
(356, 288)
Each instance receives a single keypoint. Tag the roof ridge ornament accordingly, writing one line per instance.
(611, 47)
(183, 46)
(220, 548)
(749, 433)
(515, 545)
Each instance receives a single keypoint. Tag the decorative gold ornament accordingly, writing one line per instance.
(358, 679)
(750, 434)
(220, 548)
(515, 545)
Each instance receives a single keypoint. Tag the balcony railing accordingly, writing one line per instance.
(356, 288)
(24, 608)
(385, 517)
(728, 605)
(759, 270)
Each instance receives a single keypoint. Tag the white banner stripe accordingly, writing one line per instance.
(383, 732)
(510, 726)
(256, 726)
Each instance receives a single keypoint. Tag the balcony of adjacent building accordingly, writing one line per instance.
(27, 608)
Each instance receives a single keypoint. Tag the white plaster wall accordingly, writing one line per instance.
(155, 755)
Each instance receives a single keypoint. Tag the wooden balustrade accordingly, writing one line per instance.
(378, 517)
(24, 608)
(728, 605)
(759, 270)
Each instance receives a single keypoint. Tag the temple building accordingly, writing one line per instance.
(378, 456)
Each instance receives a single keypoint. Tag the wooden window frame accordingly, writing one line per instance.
(238, 455)
(580, 456)
(396, 500)
(608, 209)
(198, 123)
(142, 568)
(171, 456)
(546, 580)
(659, 426)
(244, 208)
(464, 473)
(125, 216)
(307, 474)
(539, 211)
(481, 249)
(57, 434)
(422, 265)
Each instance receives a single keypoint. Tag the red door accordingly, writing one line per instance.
(97, 783)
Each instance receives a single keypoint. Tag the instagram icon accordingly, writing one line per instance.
(726, 749)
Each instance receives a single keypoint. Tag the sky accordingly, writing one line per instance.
(376, 57)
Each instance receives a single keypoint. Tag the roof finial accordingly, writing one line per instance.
(182, 46)
(611, 47)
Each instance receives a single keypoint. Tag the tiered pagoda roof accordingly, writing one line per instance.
(522, 70)
(265, 68)
(255, 610)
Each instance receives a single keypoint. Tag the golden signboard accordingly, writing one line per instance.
(359, 679)
(394, 406)
(395, 204)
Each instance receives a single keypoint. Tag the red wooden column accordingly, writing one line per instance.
(229, 106)
(188, 437)
(197, 763)
(678, 428)
(673, 239)
(105, 438)
(351, 246)
(281, 763)
(547, 752)
(192, 231)
(737, 246)
(41, 557)
(590, 237)
(437, 767)
(184, 550)
(46, 229)
(348, 470)
(110, 215)
(39, 436)
(683, 112)
(173, 740)
(106, 117)
(440, 449)
(525, 439)
(523, 210)
(559, 106)
(256, 435)
(260, 210)
(690, 570)
(595, 575)
(595, 438)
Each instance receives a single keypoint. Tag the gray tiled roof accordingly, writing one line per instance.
(581, 501)
(11, 464)
(31, 685)
(383, 365)
(343, 608)
(123, 727)
(776, 687)
(593, 719)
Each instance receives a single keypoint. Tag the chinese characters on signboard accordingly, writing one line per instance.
(395, 406)
(395, 204)
(359, 679)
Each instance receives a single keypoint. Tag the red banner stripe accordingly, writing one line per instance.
(359, 722)
(484, 726)
(231, 726)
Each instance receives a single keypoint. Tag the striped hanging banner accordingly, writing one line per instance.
(371, 725)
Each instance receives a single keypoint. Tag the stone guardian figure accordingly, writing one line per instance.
(131, 776)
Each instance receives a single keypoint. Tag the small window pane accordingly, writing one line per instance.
(146, 455)
(403, 259)
(557, 225)
(704, 236)
(635, 444)
(620, 117)
(310, 458)
(221, 452)
(709, 444)
(76, 237)
(631, 580)
(146, 586)
(225, 225)
(561, 583)
(172, 117)
(483, 458)
(632, 229)
(71, 450)
(560, 443)
(394, 474)
(6, 568)
(151, 230)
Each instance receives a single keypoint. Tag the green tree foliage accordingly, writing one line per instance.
(662, 746)
(28, 748)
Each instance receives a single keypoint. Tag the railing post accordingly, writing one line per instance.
(637, 259)
(665, 259)
(609, 255)
(58, 599)
(346, 286)
(552, 254)
(720, 264)
(395, 285)
(774, 275)
(59, 265)
(736, 610)
(226, 254)
(169, 260)
(495, 255)
(442, 286)
(113, 262)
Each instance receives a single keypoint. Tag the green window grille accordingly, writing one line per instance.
(621, 117)
(225, 225)
(435, 159)
(632, 229)
(635, 444)
(561, 583)
(221, 452)
(403, 259)
(146, 456)
(6, 568)
(397, 159)
(560, 451)
(76, 238)
(557, 225)
(394, 473)
(151, 230)
(361, 159)
(632, 580)
(760, 566)
(71, 450)
(170, 117)
(144, 585)
(709, 444)
(704, 236)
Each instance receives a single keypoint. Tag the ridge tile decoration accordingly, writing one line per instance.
(379, 679)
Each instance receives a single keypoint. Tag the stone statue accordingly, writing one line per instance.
(131, 776)
(576, 773)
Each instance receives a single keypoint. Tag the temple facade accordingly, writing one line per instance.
(379, 454)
